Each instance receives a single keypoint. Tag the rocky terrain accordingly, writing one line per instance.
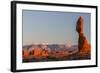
(44, 52)
(59, 52)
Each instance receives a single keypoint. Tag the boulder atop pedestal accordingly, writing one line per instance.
(83, 44)
(79, 26)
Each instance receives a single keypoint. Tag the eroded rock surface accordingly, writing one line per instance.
(83, 44)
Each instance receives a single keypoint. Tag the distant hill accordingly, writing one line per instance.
(53, 47)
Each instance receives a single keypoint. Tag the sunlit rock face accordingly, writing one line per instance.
(59, 52)
(25, 54)
(83, 44)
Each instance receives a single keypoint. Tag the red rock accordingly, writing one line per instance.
(25, 54)
(83, 45)
(79, 26)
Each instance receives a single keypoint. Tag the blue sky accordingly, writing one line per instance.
(53, 27)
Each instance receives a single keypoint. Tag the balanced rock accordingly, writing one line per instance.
(83, 44)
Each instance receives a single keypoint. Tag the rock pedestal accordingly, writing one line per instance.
(83, 44)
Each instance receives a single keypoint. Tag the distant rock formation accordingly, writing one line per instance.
(83, 44)
(57, 52)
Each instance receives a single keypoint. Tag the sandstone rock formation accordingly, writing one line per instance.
(83, 44)
(44, 52)
(25, 54)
